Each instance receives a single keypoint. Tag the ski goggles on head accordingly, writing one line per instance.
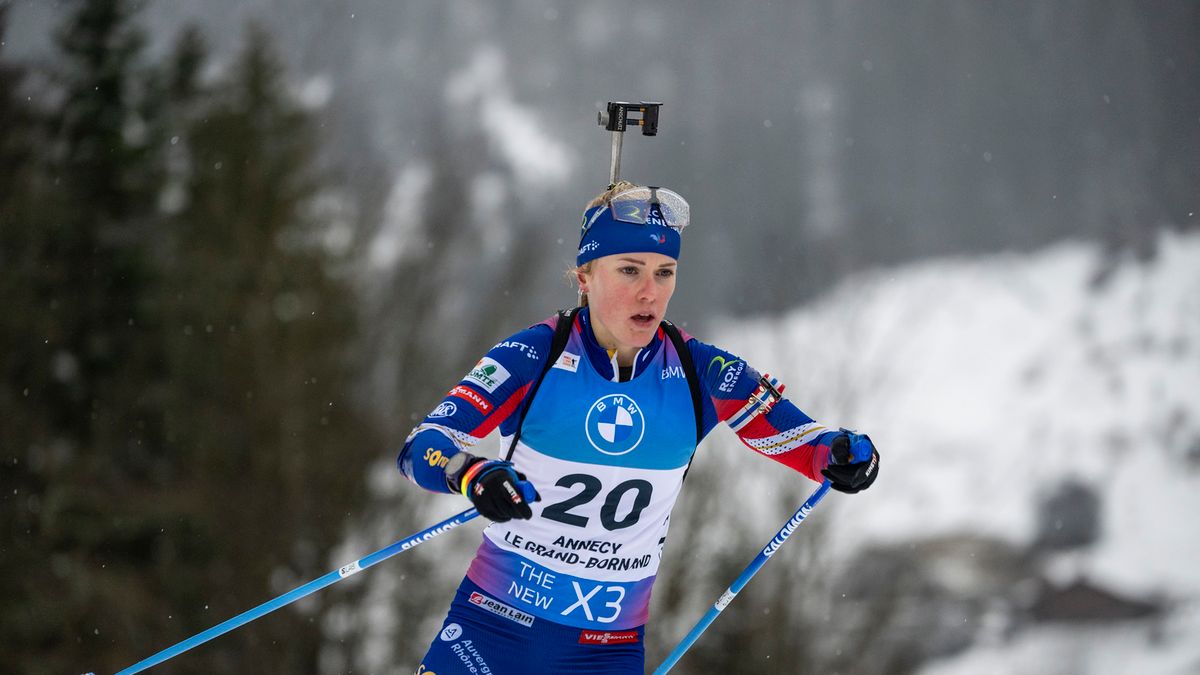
(647, 205)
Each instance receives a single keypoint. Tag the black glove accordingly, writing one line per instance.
(854, 463)
(498, 491)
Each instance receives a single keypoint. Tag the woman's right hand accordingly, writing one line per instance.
(498, 491)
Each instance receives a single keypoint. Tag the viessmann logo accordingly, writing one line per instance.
(607, 637)
(471, 396)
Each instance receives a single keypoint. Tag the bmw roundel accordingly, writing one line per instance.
(615, 424)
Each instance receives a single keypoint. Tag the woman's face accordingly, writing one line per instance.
(628, 295)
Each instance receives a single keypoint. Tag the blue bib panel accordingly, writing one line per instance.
(608, 460)
(645, 423)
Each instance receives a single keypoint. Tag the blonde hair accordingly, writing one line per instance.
(573, 271)
(613, 190)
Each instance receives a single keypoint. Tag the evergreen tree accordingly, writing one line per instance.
(83, 358)
(107, 179)
(260, 332)
(23, 365)
(179, 440)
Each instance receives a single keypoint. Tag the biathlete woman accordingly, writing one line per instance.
(600, 410)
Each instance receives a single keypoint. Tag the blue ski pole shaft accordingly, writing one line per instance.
(302, 591)
(727, 597)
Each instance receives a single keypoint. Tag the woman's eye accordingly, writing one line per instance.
(666, 273)
(628, 270)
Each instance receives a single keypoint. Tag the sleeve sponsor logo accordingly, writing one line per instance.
(436, 458)
(444, 409)
(488, 373)
(473, 397)
(525, 349)
(567, 361)
(500, 609)
(451, 633)
(727, 372)
(607, 637)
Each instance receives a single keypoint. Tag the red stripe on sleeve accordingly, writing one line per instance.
(492, 421)
(726, 407)
(808, 458)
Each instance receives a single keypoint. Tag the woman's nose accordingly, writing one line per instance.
(646, 289)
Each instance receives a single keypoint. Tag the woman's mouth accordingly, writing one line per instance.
(643, 320)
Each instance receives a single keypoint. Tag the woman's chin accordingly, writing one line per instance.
(639, 336)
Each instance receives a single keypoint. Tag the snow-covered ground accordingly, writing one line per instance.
(989, 382)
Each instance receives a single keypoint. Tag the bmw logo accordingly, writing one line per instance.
(615, 424)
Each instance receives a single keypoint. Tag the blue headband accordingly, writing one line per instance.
(607, 236)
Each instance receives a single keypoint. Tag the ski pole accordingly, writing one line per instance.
(302, 591)
(727, 597)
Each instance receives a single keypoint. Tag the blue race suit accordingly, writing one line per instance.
(570, 587)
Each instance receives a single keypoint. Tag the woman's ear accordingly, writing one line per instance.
(581, 278)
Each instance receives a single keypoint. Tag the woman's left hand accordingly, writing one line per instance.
(853, 463)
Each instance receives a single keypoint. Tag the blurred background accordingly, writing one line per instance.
(246, 244)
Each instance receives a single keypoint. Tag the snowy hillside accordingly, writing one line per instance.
(992, 385)
(1040, 434)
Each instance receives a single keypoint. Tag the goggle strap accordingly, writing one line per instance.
(592, 221)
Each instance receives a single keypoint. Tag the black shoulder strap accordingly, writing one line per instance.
(689, 369)
(562, 332)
